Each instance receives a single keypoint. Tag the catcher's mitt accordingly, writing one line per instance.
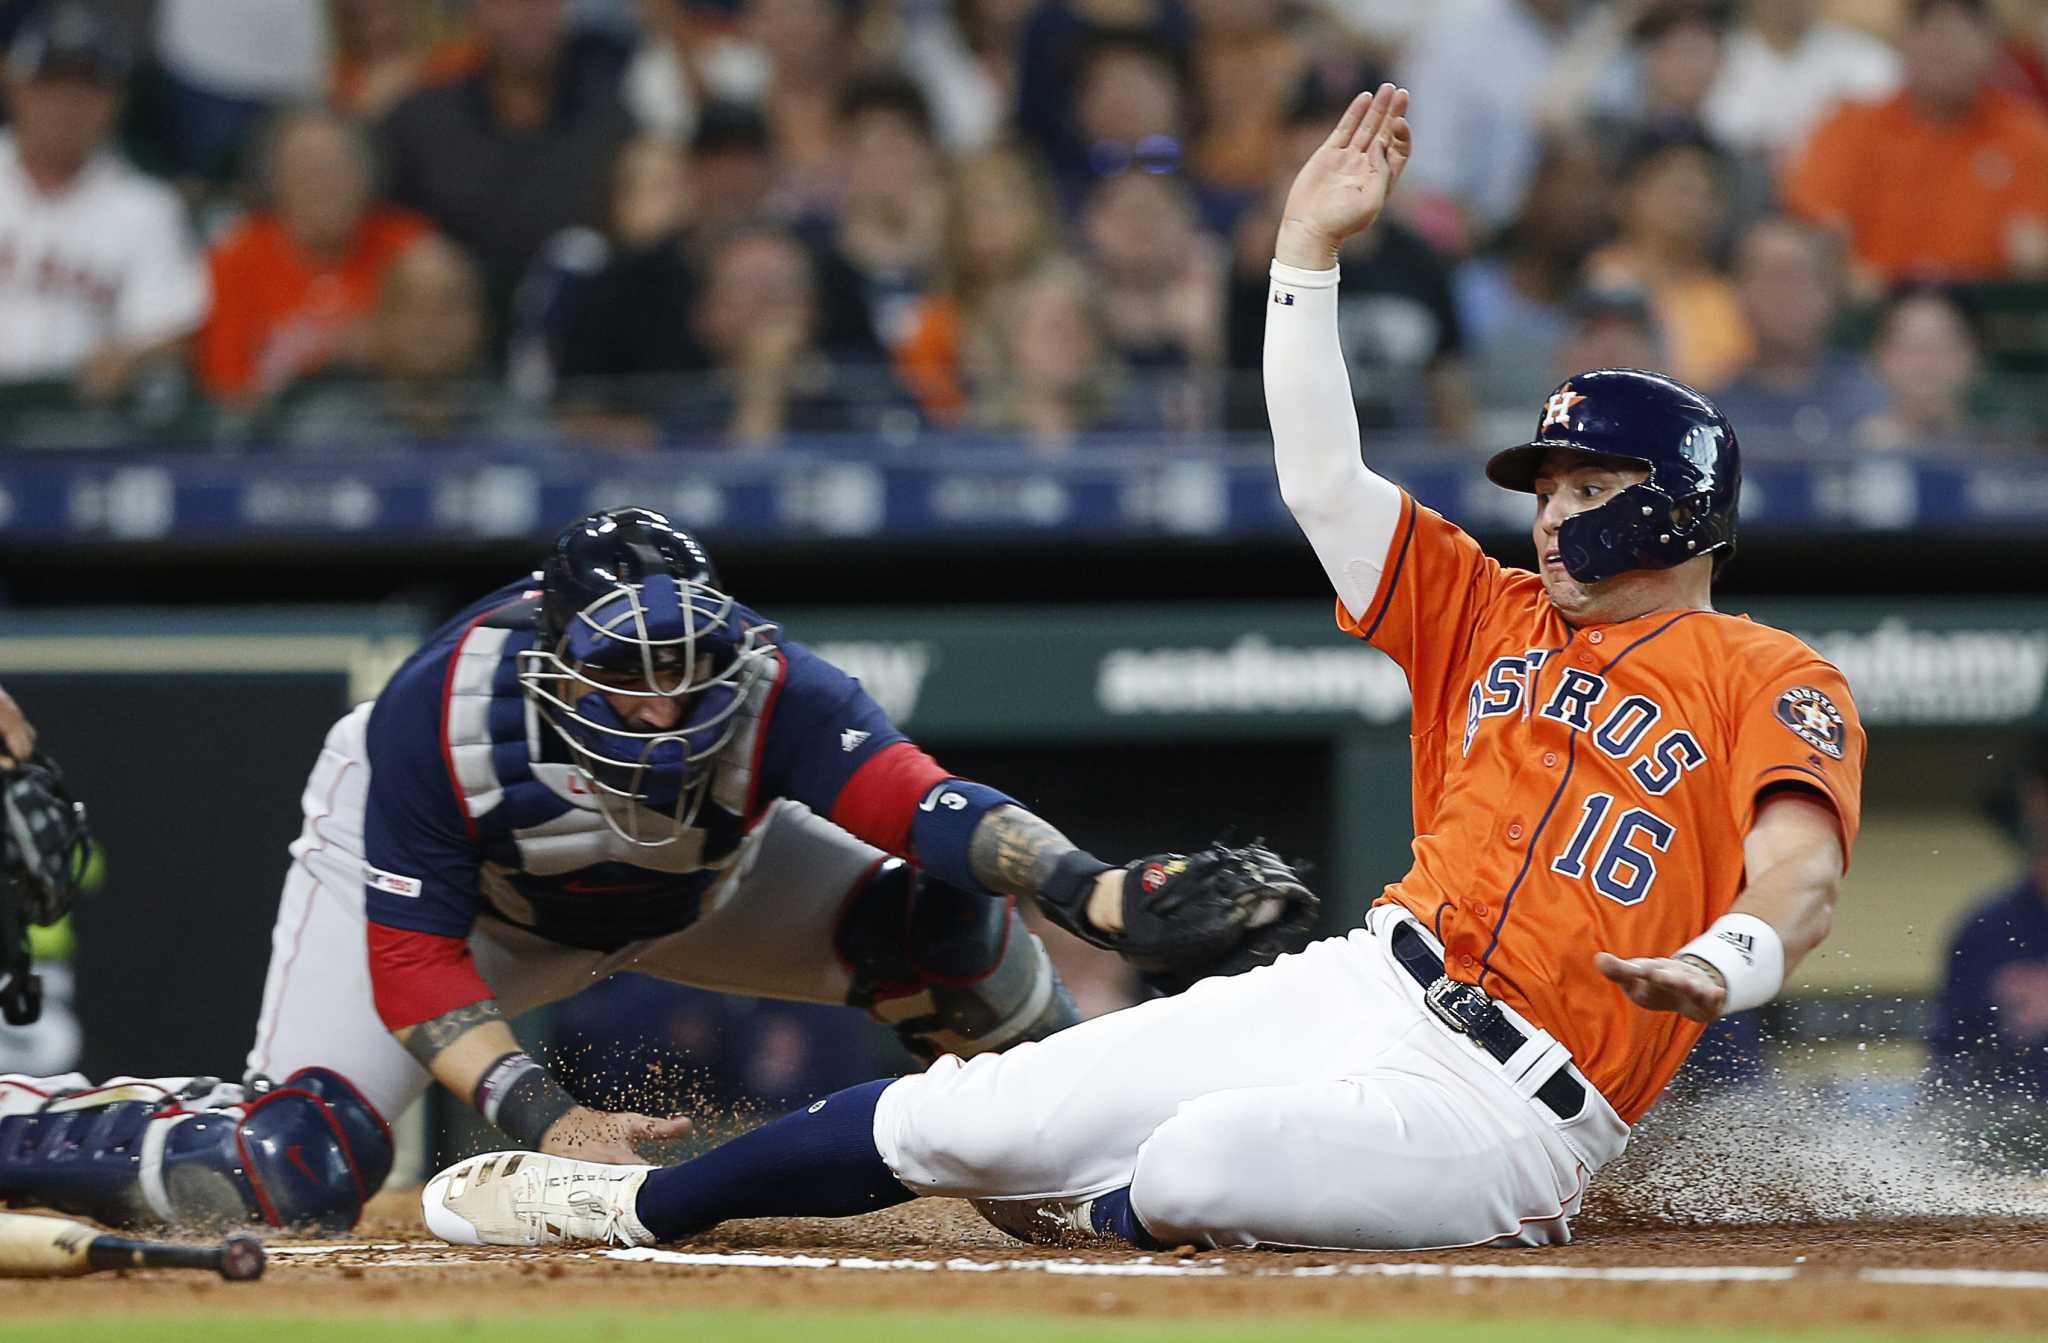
(1217, 911)
(45, 850)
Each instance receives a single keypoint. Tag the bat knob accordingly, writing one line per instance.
(241, 1259)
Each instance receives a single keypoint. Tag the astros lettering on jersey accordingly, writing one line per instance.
(1589, 789)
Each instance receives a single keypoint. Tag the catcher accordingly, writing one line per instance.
(613, 765)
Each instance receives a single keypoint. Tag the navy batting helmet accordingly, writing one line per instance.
(631, 610)
(1686, 507)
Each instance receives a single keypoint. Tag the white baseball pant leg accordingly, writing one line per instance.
(1314, 1102)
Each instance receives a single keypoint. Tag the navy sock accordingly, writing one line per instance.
(1111, 1215)
(819, 1162)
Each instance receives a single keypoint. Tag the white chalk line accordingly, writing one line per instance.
(1145, 1266)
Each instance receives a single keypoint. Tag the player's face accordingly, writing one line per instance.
(638, 703)
(1568, 484)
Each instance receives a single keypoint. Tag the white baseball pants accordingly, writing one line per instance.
(767, 929)
(1314, 1102)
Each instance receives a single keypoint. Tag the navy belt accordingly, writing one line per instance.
(1466, 1009)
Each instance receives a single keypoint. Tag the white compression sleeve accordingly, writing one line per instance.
(1348, 513)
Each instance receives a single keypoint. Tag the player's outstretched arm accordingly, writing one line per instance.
(1348, 513)
(1793, 859)
(472, 1051)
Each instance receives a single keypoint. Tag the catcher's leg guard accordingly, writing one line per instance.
(305, 1154)
(954, 972)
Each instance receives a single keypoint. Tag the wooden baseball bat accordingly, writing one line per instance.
(51, 1247)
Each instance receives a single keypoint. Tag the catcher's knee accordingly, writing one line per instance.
(952, 971)
(307, 1153)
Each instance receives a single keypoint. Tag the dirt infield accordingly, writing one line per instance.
(941, 1256)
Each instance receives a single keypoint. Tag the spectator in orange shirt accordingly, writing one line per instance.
(294, 282)
(1949, 177)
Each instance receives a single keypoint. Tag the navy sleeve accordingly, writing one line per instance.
(820, 728)
(420, 860)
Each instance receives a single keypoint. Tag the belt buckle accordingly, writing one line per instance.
(1445, 999)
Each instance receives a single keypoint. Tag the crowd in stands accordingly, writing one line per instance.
(676, 223)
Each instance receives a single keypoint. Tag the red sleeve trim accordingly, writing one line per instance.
(879, 803)
(416, 977)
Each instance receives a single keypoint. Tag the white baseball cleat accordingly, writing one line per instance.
(524, 1198)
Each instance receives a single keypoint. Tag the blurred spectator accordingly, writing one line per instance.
(1611, 328)
(504, 160)
(652, 197)
(1784, 68)
(689, 54)
(1397, 321)
(1247, 64)
(965, 56)
(1161, 287)
(1000, 226)
(1638, 65)
(424, 362)
(293, 283)
(732, 160)
(1872, 169)
(758, 322)
(98, 276)
(1478, 74)
(808, 45)
(1989, 1039)
(220, 67)
(1130, 112)
(2025, 69)
(1103, 83)
(1042, 364)
(892, 218)
(1797, 395)
(1928, 357)
(1513, 301)
(1671, 218)
(386, 50)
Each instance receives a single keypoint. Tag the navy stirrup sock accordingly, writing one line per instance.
(1111, 1215)
(819, 1162)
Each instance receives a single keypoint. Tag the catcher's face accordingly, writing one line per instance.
(659, 705)
(1567, 484)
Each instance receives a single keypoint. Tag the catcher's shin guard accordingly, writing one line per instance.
(952, 971)
(306, 1154)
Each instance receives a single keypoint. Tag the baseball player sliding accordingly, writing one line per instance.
(1632, 814)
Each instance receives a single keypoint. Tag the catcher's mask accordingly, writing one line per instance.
(654, 627)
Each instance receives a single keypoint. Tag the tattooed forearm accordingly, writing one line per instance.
(1013, 851)
(428, 1040)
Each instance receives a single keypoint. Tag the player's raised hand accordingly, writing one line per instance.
(607, 1137)
(1665, 984)
(1345, 183)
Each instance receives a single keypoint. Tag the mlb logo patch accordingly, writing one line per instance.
(391, 883)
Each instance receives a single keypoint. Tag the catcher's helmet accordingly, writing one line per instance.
(631, 608)
(1686, 507)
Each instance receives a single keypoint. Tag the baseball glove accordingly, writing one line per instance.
(1219, 911)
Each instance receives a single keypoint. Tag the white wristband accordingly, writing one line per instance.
(1750, 956)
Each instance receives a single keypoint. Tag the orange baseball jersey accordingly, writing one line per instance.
(1589, 789)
